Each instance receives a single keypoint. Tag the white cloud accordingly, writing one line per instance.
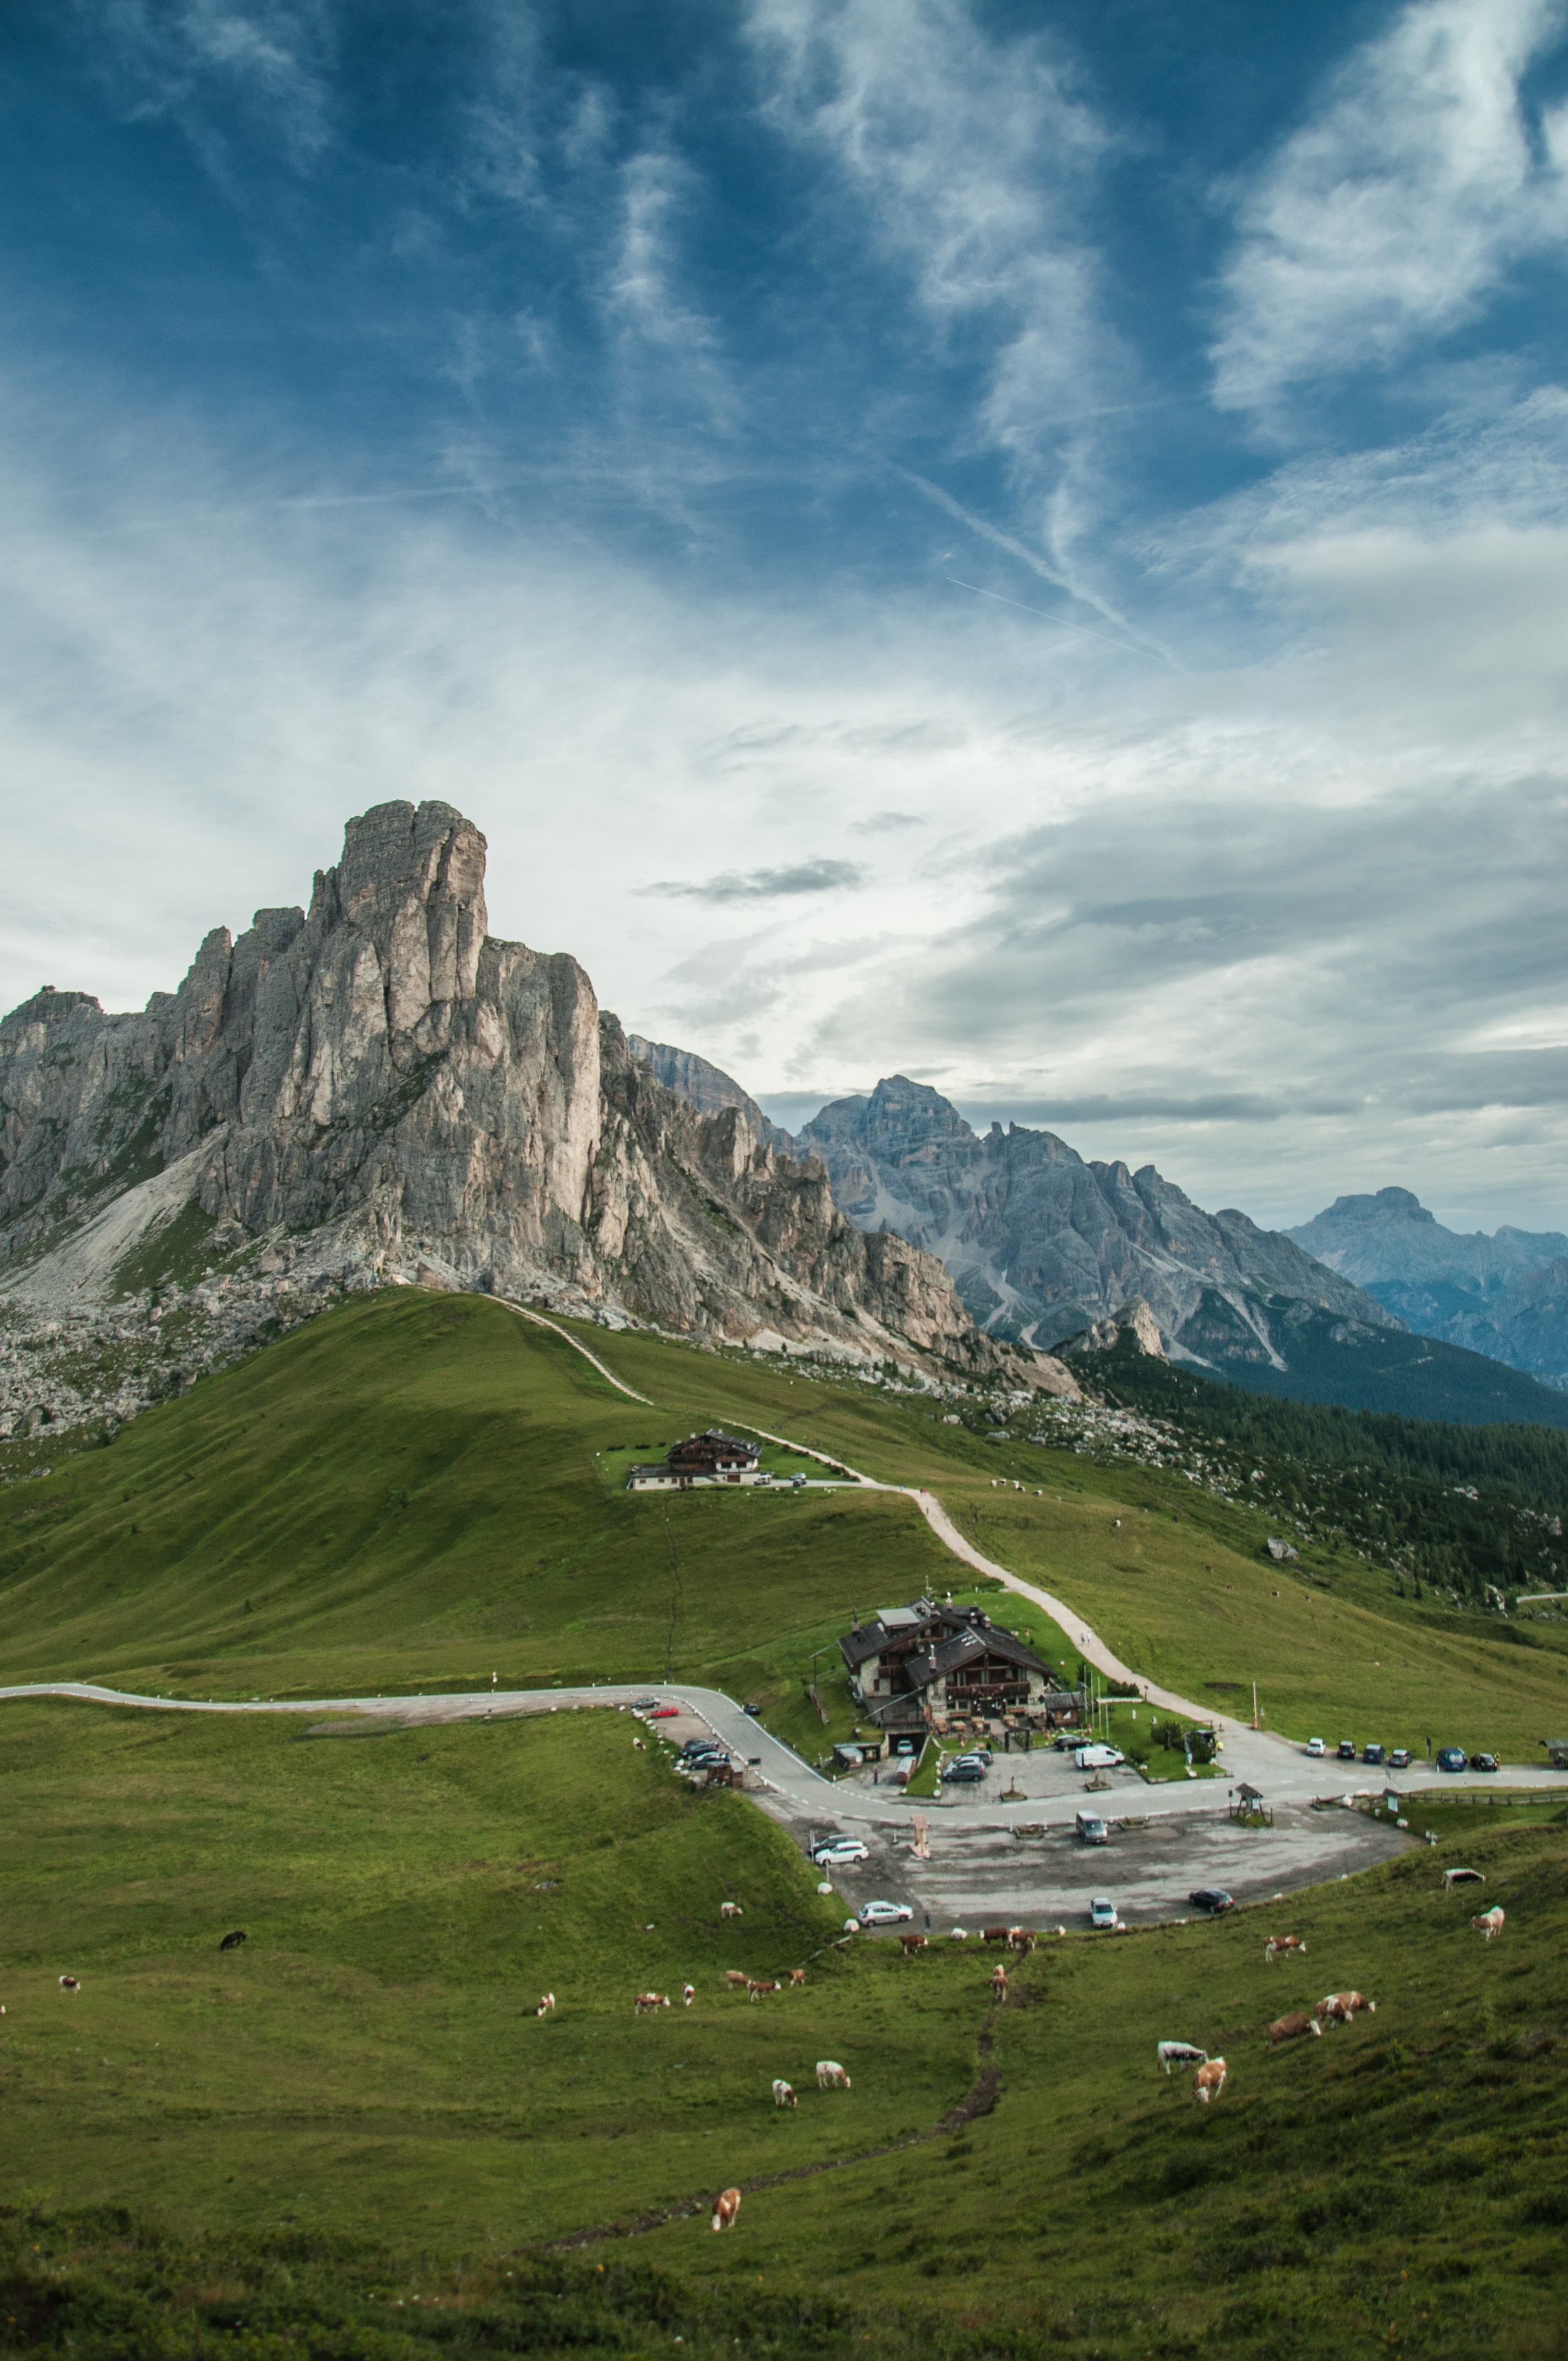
(1397, 211)
(271, 58)
(971, 161)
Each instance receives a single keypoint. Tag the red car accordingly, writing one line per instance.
(663, 1712)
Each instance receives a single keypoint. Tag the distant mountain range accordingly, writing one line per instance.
(1506, 1296)
(1044, 1247)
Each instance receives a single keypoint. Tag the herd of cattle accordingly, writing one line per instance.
(1335, 2008)
(1208, 2080)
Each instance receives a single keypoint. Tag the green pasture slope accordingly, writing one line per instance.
(416, 1491)
(353, 2139)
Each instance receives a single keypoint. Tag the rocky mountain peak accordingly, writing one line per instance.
(382, 1077)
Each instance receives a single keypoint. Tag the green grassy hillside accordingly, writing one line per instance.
(369, 2067)
(417, 1492)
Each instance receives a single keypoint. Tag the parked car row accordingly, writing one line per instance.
(1399, 1758)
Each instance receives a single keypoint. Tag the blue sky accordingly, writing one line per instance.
(1022, 544)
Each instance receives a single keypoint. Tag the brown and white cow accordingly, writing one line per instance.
(1020, 1940)
(1209, 2081)
(999, 1981)
(1280, 1946)
(783, 2095)
(1292, 2025)
(1338, 2008)
(70, 1984)
(1490, 1922)
(831, 2075)
(726, 2206)
(546, 2002)
(1452, 1877)
(648, 2002)
(995, 1934)
(910, 1944)
(798, 1975)
(688, 1994)
(730, 1910)
(738, 1977)
(758, 1987)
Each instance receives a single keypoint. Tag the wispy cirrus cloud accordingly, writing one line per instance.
(822, 876)
(269, 59)
(1396, 211)
(972, 161)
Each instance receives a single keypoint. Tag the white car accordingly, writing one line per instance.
(840, 1849)
(1102, 1912)
(1098, 1757)
(885, 1914)
(1315, 1746)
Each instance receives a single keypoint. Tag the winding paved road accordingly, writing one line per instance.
(793, 1788)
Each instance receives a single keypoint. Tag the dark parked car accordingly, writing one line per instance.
(1483, 1762)
(1213, 1898)
(1451, 1758)
(963, 1775)
(1372, 1754)
(1347, 1750)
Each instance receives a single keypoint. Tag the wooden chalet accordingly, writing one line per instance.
(911, 1663)
(711, 1458)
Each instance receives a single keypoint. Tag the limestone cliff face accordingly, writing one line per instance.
(382, 1064)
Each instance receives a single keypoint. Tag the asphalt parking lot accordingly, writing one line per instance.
(978, 1876)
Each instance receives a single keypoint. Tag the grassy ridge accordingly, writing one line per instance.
(415, 1491)
(369, 2067)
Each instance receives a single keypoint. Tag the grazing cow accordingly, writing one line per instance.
(831, 2075)
(547, 2001)
(1209, 2081)
(1461, 1877)
(960, 1934)
(1178, 2053)
(1280, 1945)
(70, 1984)
(231, 1943)
(999, 1981)
(738, 1977)
(798, 1975)
(1490, 1922)
(995, 1934)
(1338, 2008)
(726, 2206)
(640, 1748)
(783, 2095)
(730, 1910)
(1020, 1940)
(648, 2002)
(758, 1987)
(910, 1944)
(688, 1994)
(1291, 2026)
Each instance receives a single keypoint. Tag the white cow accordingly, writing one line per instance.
(831, 2075)
(1179, 2053)
(783, 2095)
(1490, 1922)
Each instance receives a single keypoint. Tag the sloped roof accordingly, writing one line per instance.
(964, 1646)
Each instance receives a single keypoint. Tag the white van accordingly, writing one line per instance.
(1098, 1757)
(1091, 1829)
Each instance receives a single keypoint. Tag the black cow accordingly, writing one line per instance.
(231, 1943)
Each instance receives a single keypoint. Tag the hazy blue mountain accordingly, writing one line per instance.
(1506, 1296)
(1042, 1244)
